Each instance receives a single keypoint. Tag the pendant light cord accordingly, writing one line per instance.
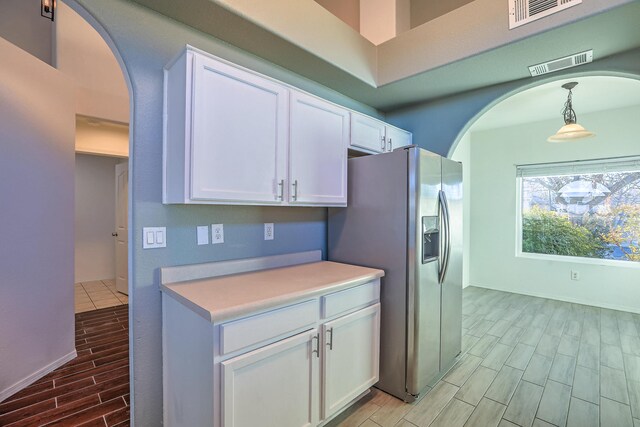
(568, 113)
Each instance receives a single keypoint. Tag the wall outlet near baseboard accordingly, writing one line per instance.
(575, 275)
(217, 233)
(268, 231)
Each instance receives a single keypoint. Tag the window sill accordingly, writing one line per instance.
(580, 260)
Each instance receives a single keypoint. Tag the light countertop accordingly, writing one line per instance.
(220, 299)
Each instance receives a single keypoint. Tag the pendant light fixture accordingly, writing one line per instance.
(571, 130)
(48, 9)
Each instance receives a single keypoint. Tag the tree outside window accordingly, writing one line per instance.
(593, 215)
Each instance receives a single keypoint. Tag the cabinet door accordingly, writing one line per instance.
(239, 135)
(351, 357)
(367, 133)
(397, 138)
(318, 151)
(274, 386)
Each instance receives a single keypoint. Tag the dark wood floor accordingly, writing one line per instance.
(90, 390)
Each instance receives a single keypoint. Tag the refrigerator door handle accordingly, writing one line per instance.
(444, 256)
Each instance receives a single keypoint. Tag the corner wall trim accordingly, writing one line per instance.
(8, 392)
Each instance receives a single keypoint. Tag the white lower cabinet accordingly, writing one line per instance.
(276, 385)
(308, 378)
(294, 366)
(282, 385)
(350, 363)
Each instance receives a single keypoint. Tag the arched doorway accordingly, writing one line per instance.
(512, 132)
(66, 377)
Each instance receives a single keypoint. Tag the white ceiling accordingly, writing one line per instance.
(596, 93)
(468, 48)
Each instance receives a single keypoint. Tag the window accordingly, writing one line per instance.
(585, 209)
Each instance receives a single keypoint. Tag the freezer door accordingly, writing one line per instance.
(372, 231)
(423, 299)
(451, 287)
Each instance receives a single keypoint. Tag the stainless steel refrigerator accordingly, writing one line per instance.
(404, 215)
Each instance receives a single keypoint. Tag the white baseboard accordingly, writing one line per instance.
(585, 301)
(24, 383)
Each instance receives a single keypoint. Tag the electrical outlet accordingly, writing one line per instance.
(154, 237)
(268, 231)
(575, 275)
(217, 234)
(203, 234)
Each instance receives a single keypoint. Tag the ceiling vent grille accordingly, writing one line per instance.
(562, 63)
(525, 11)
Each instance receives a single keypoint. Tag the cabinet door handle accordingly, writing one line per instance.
(383, 143)
(330, 341)
(316, 350)
(280, 195)
(295, 190)
(390, 145)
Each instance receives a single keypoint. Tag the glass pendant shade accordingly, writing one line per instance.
(571, 131)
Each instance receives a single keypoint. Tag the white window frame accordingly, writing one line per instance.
(570, 168)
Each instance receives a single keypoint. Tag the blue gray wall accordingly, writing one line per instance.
(36, 219)
(438, 125)
(145, 42)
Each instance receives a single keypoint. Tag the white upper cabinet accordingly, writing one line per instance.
(397, 138)
(374, 136)
(318, 152)
(367, 133)
(229, 133)
(236, 137)
(226, 133)
(239, 134)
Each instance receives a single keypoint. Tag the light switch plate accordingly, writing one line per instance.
(154, 237)
(217, 233)
(203, 234)
(268, 231)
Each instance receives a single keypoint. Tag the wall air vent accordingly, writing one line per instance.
(525, 11)
(562, 63)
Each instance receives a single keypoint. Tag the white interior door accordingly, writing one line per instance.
(121, 234)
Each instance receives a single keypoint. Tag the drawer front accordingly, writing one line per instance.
(264, 327)
(350, 299)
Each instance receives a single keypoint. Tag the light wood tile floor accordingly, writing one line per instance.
(97, 294)
(525, 361)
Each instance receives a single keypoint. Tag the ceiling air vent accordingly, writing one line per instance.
(524, 11)
(562, 63)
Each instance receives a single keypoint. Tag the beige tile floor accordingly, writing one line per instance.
(97, 294)
(528, 362)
